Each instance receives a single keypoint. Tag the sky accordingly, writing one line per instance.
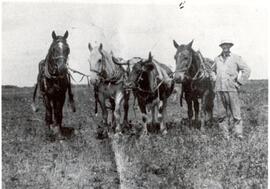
(130, 30)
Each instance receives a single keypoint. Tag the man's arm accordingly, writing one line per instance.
(245, 71)
(213, 72)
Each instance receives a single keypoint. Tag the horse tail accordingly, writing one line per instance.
(34, 108)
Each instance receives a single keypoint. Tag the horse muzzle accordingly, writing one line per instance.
(129, 85)
(62, 69)
(179, 77)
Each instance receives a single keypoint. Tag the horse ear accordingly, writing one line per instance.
(66, 35)
(90, 47)
(53, 35)
(148, 67)
(150, 57)
(190, 44)
(175, 44)
(111, 53)
(115, 60)
(100, 47)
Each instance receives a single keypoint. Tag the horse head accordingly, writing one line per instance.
(142, 74)
(58, 55)
(101, 63)
(184, 61)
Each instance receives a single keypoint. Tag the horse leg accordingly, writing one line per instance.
(144, 115)
(196, 106)
(203, 112)
(190, 110)
(117, 112)
(163, 115)
(103, 109)
(71, 96)
(48, 114)
(209, 108)
(58, 112)
(33, 105)
(126, 107)
(154, 117)
(113, 109)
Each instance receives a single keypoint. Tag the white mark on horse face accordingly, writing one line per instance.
(60, 47)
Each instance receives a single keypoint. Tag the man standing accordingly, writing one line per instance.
(231, 72)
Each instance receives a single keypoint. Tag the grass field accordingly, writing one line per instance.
(184, 158)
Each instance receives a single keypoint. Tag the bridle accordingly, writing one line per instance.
(200, 74)
(184, 70)
(60, 57)
(102, 71)
(197, 76)
(56, 58)
(102, 74)
(147, 92)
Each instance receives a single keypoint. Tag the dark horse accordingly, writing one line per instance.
(193, 71)
(54, 81)
(152, 86)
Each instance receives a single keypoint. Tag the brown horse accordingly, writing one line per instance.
(108, 80)
(152, 85)
(53, 81)
(193, 72)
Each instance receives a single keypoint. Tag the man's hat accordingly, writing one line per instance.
(226, 42)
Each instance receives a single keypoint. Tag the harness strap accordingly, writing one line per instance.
(46, 71)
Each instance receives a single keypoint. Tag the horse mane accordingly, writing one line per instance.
(196, 61)
(199, 61)
(114, 72)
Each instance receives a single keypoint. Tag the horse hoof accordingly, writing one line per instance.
(117, 130)
(202, 129)
(145, 132)
(73, 108)
(55, 130)
(60, 137)
(102, 134)
(67, 131)
(34, 108)
(164, 132)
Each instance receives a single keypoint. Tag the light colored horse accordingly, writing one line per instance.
(108, 80)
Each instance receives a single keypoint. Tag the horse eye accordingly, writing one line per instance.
(99, 60)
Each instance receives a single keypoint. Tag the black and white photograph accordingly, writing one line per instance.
(134, 94)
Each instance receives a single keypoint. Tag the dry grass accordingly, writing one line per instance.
(184, 158)
(190, 158)
(31, 160)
